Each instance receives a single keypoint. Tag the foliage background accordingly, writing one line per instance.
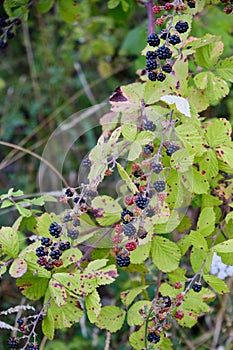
(51, 70)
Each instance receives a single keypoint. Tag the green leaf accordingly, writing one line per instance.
(180, 69)
(208, 56)
(111, 318)
(12, 193)
(9, 241)
(69, 10)
(57, 292)
(23, 211)
(129, 131)
(113, 3)
(191, 138)
(225, 69)
(111, 210)
(145, 137)
(125, 177)
(181, 160)
(18, 268)
(32, 286)
(41, 200)
(76, 282)
(140, 254)
(44, 222)
(215, 87)
(137, 339)
(216, 283)
(95, 265)
(134, 316)
(224, 247)
(165, 254)
(200, 258)
(208, 164)
(93, 306)
(206, 221)
(182, 105)
(225, 154)
(134, 151)
(48, 326)
(71, 256)
(197, 99)
(128, 296)
(197, 240)
(6, 203)
(218, 132)
(195, 182)
(166, 289)
(44, 6)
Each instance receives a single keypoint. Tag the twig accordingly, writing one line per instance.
(42, 344)
(107, 341)
(150, 16)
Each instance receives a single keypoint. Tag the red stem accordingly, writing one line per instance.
(150, 16)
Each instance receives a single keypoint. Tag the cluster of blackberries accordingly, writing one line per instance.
(182, 27)
(6, 32)
(148, 149)
(148, 124)
(157, 167)
(69, 192)
(33, 346)
(55, 230)
(13, 343)
(123, 261)
(197, 287)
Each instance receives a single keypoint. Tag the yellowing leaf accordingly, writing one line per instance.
(181, 103)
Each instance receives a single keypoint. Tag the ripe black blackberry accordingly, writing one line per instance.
(182, 26)
(73, 234)
(152, 76)
(171, 149)
(174, 39)
(47, 242)
(123, 261)
(153, 40)
(149, 125)
(164, 52)
(126, 214)
(150, 212)
(159, 185)
(163, 34)
(86, 162)
(142, 233)
(141, 202)
(151, 65)
(192, 4)
(69, 192)
(167, 68)
(129, 229)
(64, 246)
(161, 77)
(41, 251)
(153, 337)
(33, 346)
(13, 343)
(138, 173)
(20, 322)
(10, 34)
(76, 222)
(79, 200)
(167, 301)
(67, 218)
(55, 229)
(3, 44)
(151, 55)
(55, 255)
(157, 167)
(197, 287)
(148, 149)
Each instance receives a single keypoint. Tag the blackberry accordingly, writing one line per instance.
(159, 185)
(46, 241)
(138, 173)
(148, 149)
(164, 52)
(172, 149)
(157, 167)
(153, 337)
(64, 245)
(141, 202)
(41, 251)
(3, 22)
(76, 222)
(174, 39)
(151, 55)
(42, 261)
(69, 192)
(73, 234)
(67, 218)
(142, 233)
(197, 287)
(55, 255)
(161, 77)
(152, 76)
(167, 301)
(153, 40)
(79, 200)
(86, 162)
(123, 261)
(10, 34)
(150, 212)
(3, 44)
(17, 21)
(55, 229)
(163, 34)
(33, 346)
(151, 65)
(20, 322)
(129, 229)
(181, 26)
(149, 125)
(167, 68)
(126, 215)
(13, 343)
(192, 4)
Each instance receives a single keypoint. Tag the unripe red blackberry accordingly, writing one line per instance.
(179, 314)
(130, 246)
(156, 9)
